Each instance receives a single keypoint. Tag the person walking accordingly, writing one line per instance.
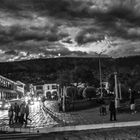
(10, 114)
(22, 113)
(102, 107)
(132, 101)
(16, 110)
(27, 114)
(112, 110)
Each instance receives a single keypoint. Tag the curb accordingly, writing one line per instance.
(79, 127)
(90, 127)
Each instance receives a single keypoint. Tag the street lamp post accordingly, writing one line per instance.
(116, 91)
(64, 91)
(120, 91)
(100, 74)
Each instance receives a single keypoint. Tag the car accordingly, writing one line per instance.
(4, 105)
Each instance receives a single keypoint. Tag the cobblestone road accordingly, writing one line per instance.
(37, 115)
(48, 115)
(89, 116)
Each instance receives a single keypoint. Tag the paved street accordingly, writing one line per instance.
(89, 116)
(49, 116)
(3, 117)
(37, 115)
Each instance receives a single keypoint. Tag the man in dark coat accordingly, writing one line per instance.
(112, 110)
(16, 110)
(10, 114)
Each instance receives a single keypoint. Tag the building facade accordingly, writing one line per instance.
(50, 90)
(10, 89)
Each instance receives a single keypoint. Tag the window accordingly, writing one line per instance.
(39, 87)
(54, 87)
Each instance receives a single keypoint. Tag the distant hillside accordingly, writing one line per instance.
(45, 70)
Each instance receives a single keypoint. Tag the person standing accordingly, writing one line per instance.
(10, 114)
(132, 101)
(27, 114)
(22, 113)
(112, 110)
(16, 110)
(102, 107)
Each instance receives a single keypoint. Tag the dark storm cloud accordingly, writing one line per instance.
(61, 8)
(29, 35)
(78, 8)
(120, 19)
(115, 28)
(120, 28)
(89, 35)
(84, 9)
(10, 4)
(11, 52)
(18, 33)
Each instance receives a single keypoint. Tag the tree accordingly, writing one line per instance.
(89, 92)
(111, 82)
(72, 92)
(137, 86)
(124, 91)
(80, 93)
(64, 78)
(83, 74)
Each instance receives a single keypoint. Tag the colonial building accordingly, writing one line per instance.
(10, 89)
(47, 90)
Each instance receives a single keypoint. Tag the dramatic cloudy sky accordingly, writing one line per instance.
(52, 28)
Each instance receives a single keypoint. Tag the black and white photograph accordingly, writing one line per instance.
(69, 69)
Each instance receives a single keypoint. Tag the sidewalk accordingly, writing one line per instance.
(84, 120)
(89, 120)
(91, 116)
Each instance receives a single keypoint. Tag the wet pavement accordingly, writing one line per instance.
(48, 115)
(37, 115)
(89, 116)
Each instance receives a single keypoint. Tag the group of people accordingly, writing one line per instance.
(19, 114)
(112, 107)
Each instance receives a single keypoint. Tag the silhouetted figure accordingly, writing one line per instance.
(102, 107)
(16, 110)
(112, 110)
(132, 101)
(27, 114)
(10, 114)
(22, 113)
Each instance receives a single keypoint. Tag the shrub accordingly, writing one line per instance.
(89, 92)
(124, 91)
(71, 92)
(80, 93)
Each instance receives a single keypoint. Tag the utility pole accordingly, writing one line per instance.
(116, 91)
(64, 91)
(100, 73)
(120, 91)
